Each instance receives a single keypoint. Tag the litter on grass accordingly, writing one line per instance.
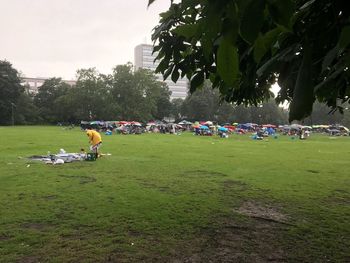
(62, 157)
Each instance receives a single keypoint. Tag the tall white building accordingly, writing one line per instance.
(144, 58)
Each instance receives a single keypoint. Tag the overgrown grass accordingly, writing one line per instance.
(165, 198)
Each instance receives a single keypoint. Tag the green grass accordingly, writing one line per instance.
(161, 198)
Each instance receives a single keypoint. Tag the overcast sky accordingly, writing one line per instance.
(54, 38)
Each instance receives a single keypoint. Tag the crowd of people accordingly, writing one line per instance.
(209, 128)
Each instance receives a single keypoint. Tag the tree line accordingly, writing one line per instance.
(126, 94)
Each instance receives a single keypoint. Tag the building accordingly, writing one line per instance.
(143, 58)
(33, 84)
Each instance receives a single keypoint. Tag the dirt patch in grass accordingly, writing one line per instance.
(262, 212)
(50, 197)
(29, 259)
(338, 197)
(232, 241)
(150, 185)
(203, 173)
(253, 233)
(235, 185)
(82, 178)
(4, 237)
(313, 171)
(37, 226)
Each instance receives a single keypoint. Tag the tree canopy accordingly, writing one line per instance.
(10, 90)
(245, 46)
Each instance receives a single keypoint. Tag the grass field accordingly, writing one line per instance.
(167, 198)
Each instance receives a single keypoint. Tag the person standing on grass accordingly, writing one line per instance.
(95, 141)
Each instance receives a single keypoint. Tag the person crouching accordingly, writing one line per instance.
(94, 140)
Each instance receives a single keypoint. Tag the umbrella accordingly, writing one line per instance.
(122, 122)
(235, 123)
(223, 129)
(135, 123)
(307, 127)
(209, 123)
(269, 126)
(203, 127)
(184, 122)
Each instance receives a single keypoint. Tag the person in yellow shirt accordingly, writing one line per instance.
(95, 141)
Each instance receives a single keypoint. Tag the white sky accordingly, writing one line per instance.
(54, 38)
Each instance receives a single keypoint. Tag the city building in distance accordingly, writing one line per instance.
(143, 58)
(33, 84)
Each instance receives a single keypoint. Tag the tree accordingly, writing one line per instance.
(139, 95)
(201, 105)
(26, 112)
(175, 112)
(92, 96)
(10, 91)
(322, 114)
(46, 98)
(245, 46)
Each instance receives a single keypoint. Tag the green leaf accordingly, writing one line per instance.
(265, 43)
(281, 11)
(259, 49)
(175, 76)
(230, 24)
(168, 72)
(252, 20)
(207, 47)
(197, 81)
(187, 31)
(328, 59)
(344, 39)
(303, 94)
(227, 62)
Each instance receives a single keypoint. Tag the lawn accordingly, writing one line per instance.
(174, 198)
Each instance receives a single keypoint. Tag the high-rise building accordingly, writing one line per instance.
(144, 58)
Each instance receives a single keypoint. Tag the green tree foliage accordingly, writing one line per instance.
(46, 98)
(26, 112)
(322, 114)
(139, 95)
(205, 104)
(122, 95)
(10, 91)
(245, 46)
(176, 106)
(92, 96)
